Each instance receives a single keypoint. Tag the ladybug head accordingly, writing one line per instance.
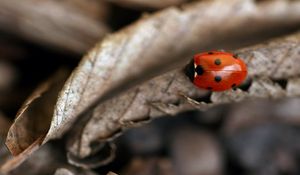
(189, 70)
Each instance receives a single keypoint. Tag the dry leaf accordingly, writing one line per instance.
(103, 154)
(293, 87)
(172, 93)
(72, 26)
(147, 48)
(33, 119)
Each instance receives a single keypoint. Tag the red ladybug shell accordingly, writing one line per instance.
(217, 70)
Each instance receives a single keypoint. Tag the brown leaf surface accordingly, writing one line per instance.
(172, 92)
(147, 48)
(292, 87)
(72, 26)
(33, 119)
(154, 4)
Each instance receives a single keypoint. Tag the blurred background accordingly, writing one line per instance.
(258, 137)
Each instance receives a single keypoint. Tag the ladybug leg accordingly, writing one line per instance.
(173, 108)
(162, 107)
(188, 99)
(235, 55)
(202, 106)
(135, 122)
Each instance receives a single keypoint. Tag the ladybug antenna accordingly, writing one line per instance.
(189, 70)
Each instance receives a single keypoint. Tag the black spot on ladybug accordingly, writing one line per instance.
(189, 70)
(210, 53)
(209, 88)
(218, 61)
(218, 78)
(235, 56)
(199, 70)
(233, 85)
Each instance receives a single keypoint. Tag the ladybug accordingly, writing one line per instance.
(216, 70)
